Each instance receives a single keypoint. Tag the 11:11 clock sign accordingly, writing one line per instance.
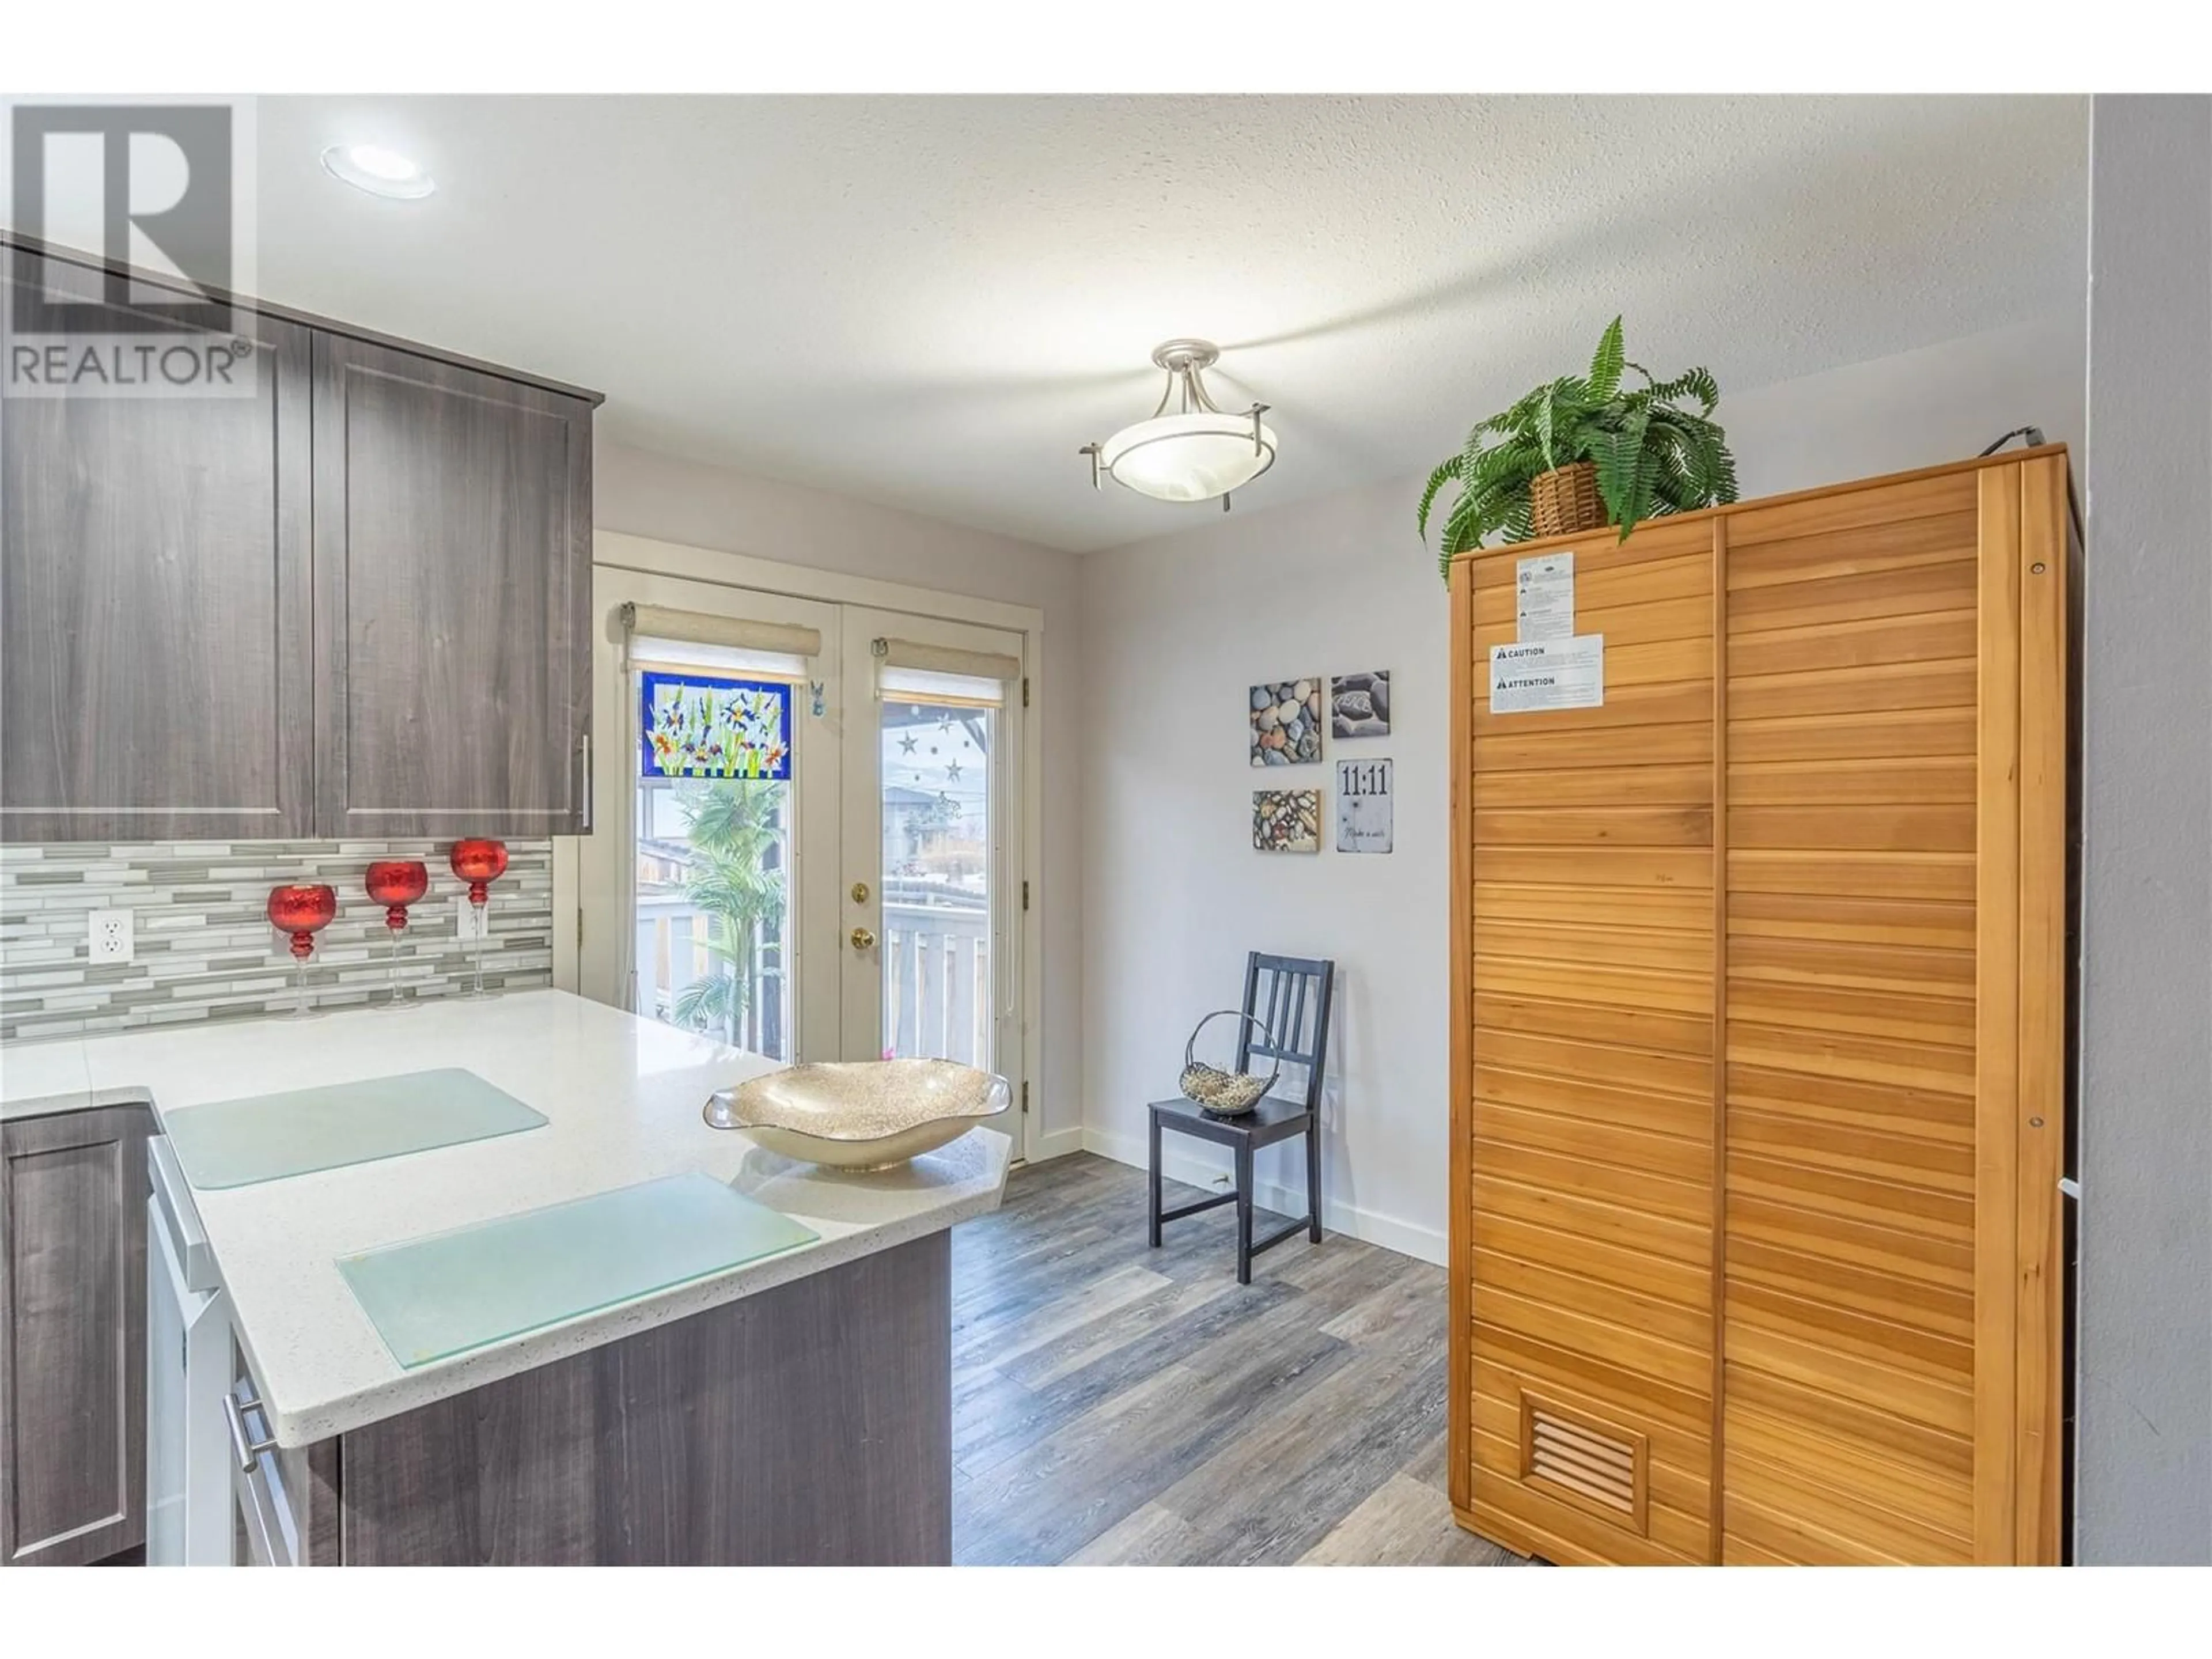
(1363, 806)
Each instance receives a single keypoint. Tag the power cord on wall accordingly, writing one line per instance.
(2033, 433)
(2034, 436)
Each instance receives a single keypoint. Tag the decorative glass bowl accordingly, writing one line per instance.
(860, 1114)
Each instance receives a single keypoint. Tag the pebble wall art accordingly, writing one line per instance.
(1359, 705)
(1286, 820)
(1286, 723)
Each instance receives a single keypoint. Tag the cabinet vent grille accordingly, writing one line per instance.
(1596, 1465)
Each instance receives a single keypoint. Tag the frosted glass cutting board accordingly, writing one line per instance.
(431, 1298)
(235, 1143)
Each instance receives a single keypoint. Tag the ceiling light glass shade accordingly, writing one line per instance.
(1188, 457)
(379, 171)
(1200, 452)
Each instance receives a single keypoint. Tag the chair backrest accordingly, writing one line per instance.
(1289, 995)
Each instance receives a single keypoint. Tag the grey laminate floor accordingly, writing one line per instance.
(1112, 1403)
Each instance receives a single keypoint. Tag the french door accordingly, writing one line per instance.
(932, 728)
(703, 889)
(808, 842)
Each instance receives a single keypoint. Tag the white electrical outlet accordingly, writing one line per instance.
(112, 936)
(473, 924)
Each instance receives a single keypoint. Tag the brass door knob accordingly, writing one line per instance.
(863, 939)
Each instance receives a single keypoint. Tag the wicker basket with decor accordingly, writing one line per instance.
(1226, 1094)
(1583, 451)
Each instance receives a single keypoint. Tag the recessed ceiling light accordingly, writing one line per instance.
(379, 171)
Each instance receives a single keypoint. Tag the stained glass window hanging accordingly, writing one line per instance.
(699, 725)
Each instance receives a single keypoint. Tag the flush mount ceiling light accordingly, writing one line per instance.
(379, 171)
(1196, 452)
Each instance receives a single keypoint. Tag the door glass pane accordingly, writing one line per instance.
(714, 905)
(938, 843)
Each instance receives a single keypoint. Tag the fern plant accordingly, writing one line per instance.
(1653, 455)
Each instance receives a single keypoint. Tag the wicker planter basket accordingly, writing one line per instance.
(1564, 502)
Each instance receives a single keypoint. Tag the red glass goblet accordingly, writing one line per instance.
(479, 863)
(302, 912)
(395, 883)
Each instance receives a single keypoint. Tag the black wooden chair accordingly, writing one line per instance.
(1296, 1032)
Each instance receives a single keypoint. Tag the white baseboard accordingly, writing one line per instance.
(1191, 1164)
(1058, 1144)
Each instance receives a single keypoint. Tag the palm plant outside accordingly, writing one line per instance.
(733, 825)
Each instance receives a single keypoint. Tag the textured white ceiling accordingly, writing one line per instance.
(932, 302)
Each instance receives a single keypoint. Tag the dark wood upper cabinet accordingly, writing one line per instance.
(155, 597)
(353, 603)
(453, 591)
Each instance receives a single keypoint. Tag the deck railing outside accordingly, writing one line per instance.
(937, 971)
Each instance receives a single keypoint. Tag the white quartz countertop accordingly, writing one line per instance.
(622, 1097)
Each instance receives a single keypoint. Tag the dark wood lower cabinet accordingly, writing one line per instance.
(73, 1195)
(810, 1424)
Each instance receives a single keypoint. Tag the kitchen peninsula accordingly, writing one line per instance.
(793, 1409)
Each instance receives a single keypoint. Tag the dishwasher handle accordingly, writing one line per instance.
(179, 1216)
(244, 1446)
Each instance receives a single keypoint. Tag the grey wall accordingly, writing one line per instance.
(2144, 1406)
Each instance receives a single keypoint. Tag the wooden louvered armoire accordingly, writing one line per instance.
(1759, 1015)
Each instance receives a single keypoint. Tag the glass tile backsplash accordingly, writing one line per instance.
(204, 949)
